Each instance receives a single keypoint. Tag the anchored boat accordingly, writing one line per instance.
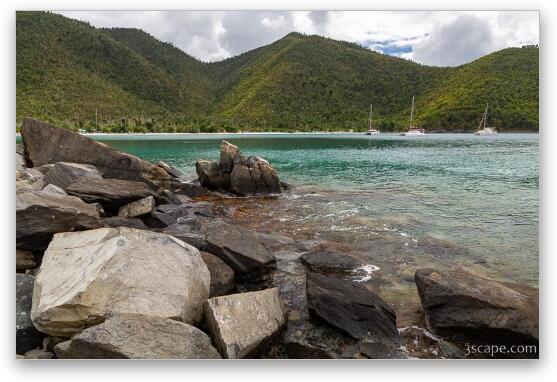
(371, 130)
(483, 129)
(413, 130)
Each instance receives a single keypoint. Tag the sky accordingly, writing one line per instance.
(441, 38)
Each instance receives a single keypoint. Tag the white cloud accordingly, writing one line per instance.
(429, 37)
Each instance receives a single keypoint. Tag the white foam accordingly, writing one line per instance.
(367, 269)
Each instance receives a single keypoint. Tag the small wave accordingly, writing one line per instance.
(367, 271)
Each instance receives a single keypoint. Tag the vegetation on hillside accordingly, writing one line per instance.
(117, 80)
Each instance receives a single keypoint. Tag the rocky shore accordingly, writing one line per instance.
(120, 258)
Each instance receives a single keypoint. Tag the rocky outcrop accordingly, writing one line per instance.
(222, 276)
(27, 336)
(237, 174)
(24, 260)
(329, 262)
(110, 193)
(41, 214)
(468, 308)
(352, 309)
(88, 276)
(63, 174)
(139, 337)
(241, 323)
(45, 144)
(139, 207)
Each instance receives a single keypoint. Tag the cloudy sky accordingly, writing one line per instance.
(447, 38)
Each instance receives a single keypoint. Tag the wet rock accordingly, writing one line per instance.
(211, 176)
(352, 309)
(228, 152)
(222, 276)
(88, 276)
(27, 336)
(54, 189)
(468, 308)
(38, 354)
(191, 189)
(300, 350)
(115, 222)
(41, 214)
(135, 336)
(329, 262)
(255, 177)
(171, 170)
(241, 323)
(45, 144)
(420, 343)
(62, 174)
(139, 207)
(110, 193)
(24, 260)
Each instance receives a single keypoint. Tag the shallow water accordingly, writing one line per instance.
(400, 203)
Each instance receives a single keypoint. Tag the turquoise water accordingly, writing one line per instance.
(398, 202)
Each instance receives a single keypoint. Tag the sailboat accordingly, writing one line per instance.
(371, 130)
(413, 130)
(483, 129)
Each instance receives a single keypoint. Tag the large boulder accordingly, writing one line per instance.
(45, 144)
(136, 336)
(139, 207)
(352, 309)
(63, 174)
(241, 323)
(324, 261)
(254, 177)
(41, 214)
(228, 153)
(211, 176)
(171, 170)
(27, 336)
(110, 193)
(88, 276)
(222, 276)
(468, 308)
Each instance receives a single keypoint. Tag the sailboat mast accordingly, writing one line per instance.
(412, 112)
(485, 115)
(370, 111)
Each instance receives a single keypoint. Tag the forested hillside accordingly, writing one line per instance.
(77, 76)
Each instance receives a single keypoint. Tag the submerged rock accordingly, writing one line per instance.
(27, 336)
(41, 214)
(63, 174)
(469, 308)
(352, 309)
(136, 336)
(88, 276)
(222, 276)
(241, 323)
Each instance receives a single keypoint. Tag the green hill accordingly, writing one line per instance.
(67, 70)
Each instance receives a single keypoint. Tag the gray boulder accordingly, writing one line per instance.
(62, 174)
(88, 276)
(190, 189)
(211, 176)
(19, 162)
(468, 308)
(139, 207)
(133, 336)
(45, 144)
(171, 170)
(41, 214)
(241, 323)
(324, 261)
(228, 153)
(27, 336)
(352, 309)
(54, 189)
(222, 276)
(116, 222)
(255, 177)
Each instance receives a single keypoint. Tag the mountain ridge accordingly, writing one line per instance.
(122, 79)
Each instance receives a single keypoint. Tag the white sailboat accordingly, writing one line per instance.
(483, 129)
(413, 130)
(371, 130)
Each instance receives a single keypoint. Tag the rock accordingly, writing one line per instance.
(62, 174)
(468, 308)
(373, 350)
(139, 207)
(116, 221)
(241, 323)
(99, 208)
(110, 193)
(41, 214)
(31, 174)
(256, 177)
(50, 342)
(24, 260)
(19, 162)
(352, 309)
(45, 144)
(240, 248)
(171, 170)
(211, 176)
(54, 189)
(190, 189)
(170, 197)
(45, 168)
(87, 276)
(135, 336)
(222, 276)
(329, 262)
(189, 231)
(38, 354)
(27, 336)
(228, 152)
